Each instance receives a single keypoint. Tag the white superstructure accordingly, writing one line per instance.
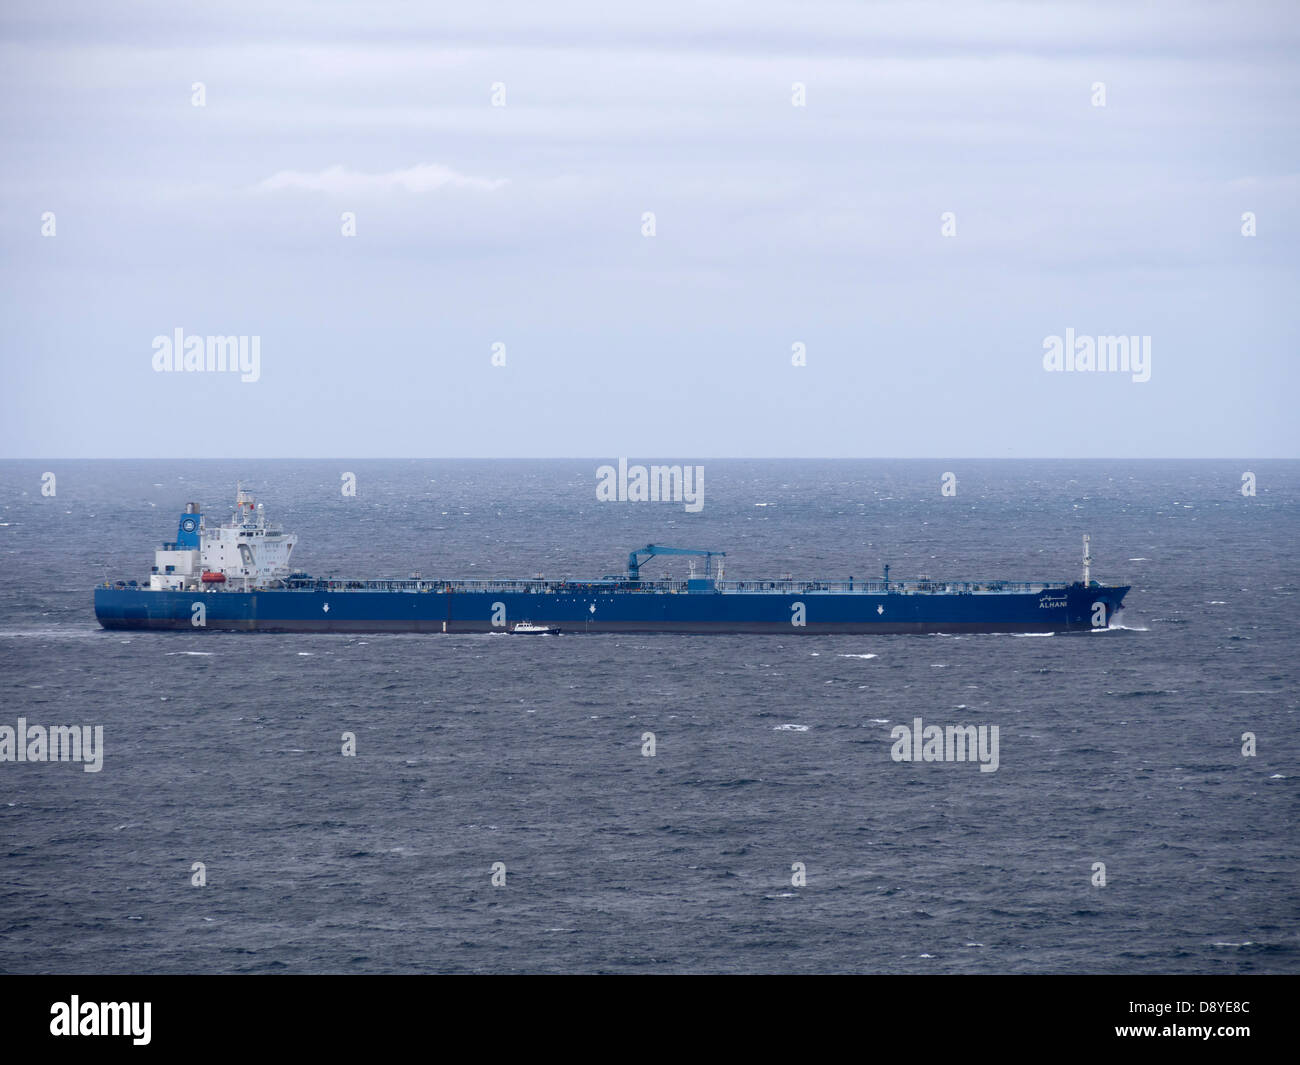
(245, 552)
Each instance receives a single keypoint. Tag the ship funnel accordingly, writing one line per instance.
(187, 530)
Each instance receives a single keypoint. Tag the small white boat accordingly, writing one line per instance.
(527, 628)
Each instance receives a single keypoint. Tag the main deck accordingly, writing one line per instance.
(778, 606)
(607, 585)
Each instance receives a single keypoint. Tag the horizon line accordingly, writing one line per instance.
(704, 458)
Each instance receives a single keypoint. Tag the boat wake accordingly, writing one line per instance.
(69, 633)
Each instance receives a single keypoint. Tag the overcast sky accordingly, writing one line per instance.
(775, 225)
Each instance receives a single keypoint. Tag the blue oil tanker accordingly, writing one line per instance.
(238, 576)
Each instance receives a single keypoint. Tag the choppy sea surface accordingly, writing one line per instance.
(1122, 747)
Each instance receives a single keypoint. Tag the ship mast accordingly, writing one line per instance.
(1087, 559)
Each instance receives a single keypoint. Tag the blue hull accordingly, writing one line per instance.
(603, 609)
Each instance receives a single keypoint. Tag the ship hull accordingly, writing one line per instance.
(1064, 609)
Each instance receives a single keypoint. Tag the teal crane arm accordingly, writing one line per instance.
(650, 550)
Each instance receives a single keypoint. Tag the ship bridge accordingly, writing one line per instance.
(246, 551)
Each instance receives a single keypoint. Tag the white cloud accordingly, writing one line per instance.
(339, 181)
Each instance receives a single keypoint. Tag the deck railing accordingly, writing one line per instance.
(781, 586)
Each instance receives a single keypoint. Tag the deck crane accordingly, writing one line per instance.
(650, 550)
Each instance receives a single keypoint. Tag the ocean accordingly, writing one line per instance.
(770, 831)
